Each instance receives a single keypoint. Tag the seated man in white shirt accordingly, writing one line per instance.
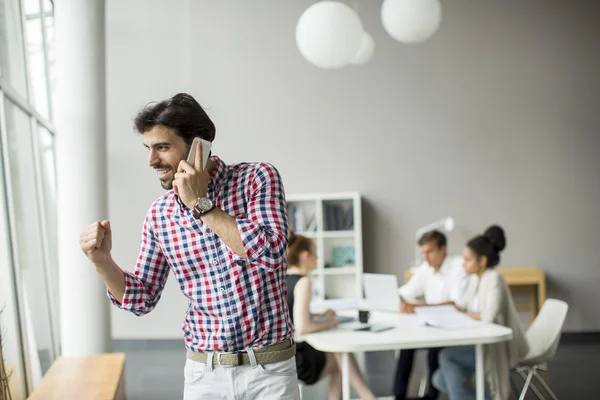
(440, 279)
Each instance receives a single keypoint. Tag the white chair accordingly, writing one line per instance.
(542, 337)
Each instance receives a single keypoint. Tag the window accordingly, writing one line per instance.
(28, 259)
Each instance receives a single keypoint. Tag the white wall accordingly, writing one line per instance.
(148, 58)
(494, 120)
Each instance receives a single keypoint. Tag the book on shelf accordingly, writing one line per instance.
(338, 218)
(311, 226)
(302, 223)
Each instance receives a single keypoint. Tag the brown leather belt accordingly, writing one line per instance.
(265, 355)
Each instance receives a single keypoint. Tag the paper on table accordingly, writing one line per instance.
(343, 304)
(447, 317)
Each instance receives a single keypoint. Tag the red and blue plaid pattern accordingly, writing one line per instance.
(234, 303)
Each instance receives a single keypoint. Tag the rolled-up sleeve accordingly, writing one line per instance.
(144, 286)
(415, 287)
(493, 301)
(264, 229)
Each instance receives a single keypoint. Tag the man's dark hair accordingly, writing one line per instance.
(433, 236)
(182, 113)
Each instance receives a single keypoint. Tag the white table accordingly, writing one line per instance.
(407, 334)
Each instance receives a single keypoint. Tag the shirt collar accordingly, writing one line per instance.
(445, 266)
(219, 173)
(443, 269)
(178, 200)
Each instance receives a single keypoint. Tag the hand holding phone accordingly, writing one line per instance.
(206, 146)
(191, 180)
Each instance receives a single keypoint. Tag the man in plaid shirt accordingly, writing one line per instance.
(222, 231)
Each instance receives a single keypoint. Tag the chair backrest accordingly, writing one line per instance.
(544, 333)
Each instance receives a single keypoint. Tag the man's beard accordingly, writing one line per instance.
(167, 184)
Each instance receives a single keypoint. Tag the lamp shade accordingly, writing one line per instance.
(449, 224)
(329, 34)
(365, 51)
(411, 21)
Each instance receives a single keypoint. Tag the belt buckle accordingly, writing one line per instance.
(239, 356)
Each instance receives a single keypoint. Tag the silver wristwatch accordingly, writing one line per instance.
(203, 206)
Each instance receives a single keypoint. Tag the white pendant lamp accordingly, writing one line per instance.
(329, 34)
(365, 51)
(411, 21)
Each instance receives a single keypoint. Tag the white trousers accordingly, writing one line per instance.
(274, 381)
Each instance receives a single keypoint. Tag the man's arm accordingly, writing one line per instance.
(225, 227)
(96, 243)
(412, 290)
(137, 292)
(143, 287)
(446, 303)
(114, 279)
(260, 237)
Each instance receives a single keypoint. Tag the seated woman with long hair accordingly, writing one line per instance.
(312, 364)
(487, 298)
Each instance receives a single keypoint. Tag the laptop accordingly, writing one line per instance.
(381, 292)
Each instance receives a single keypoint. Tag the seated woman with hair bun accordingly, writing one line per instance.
(487, 298)
(312, 364)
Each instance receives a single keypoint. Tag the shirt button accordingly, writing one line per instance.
(214, 262)
(222, 290)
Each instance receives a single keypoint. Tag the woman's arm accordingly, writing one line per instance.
(476, 316)
(302, 318)
(491, 302)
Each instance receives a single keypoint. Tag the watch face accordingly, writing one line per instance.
(204, 204)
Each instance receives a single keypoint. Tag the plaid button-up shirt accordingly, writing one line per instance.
(234, 302)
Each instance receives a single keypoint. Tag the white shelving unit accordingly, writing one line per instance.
(333, 221)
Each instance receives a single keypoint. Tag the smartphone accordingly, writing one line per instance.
(206, 146)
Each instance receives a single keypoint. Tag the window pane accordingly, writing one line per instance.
(9, 328)
(12, 54)
(28, 233)
(48, 178)
(49, 13)
(35, 54)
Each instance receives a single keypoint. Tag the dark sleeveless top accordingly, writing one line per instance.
(292, 280)
(310, 362)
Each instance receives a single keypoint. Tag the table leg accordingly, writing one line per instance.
(541, 292)
(345, 376)
(533, 307)
(479, 373)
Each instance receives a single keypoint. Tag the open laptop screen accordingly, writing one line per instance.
(381, 292)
